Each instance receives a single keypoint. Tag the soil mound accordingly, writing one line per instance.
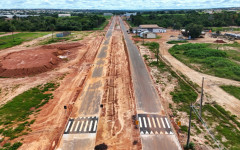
(34, 61)
(62, 46)
(219, 41)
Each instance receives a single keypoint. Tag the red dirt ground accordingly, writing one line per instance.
(33, 61)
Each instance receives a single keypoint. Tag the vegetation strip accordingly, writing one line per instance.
(17, 111)
(203, 58)
(17, 39)
(224, 125)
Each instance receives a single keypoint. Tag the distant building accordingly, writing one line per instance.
(107, 14)
(150, 28)
(149, 35)
(129, 14)
(64, 15)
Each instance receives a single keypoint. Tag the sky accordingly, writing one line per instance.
(118, 4)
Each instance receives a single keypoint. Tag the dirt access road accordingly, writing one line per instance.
(116, 127)
(211, 84)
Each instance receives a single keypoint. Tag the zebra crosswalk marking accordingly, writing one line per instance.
(167, 122)
(95, 126)
(154, 124)
(81, 126)
(159, 125)
(163, 123)
(140, 121)
(72, 126)
(90, 127)
(68, 126)
(144, 122)
(77, 126)
(85, 129)
(149, 122)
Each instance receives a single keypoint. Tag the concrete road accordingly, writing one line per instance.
(80, 132)
(147, 99)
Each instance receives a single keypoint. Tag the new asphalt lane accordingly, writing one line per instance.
(148, 103)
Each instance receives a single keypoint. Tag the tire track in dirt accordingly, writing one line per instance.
(116, 127)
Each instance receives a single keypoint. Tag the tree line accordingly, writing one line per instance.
(181, 20)
(47, 23)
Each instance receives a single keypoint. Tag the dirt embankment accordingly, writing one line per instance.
(50, 122)
(116, 127)
(34, 61)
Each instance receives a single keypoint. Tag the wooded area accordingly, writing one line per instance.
(180, 19)
(48, 23)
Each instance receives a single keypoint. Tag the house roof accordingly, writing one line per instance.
(149, 26)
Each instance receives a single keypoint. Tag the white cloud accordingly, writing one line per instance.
(119, 4)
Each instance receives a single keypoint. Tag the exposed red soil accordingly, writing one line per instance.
(33, 61)
(50, 122)
(116, 127)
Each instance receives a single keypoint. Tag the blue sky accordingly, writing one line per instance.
(118, 4)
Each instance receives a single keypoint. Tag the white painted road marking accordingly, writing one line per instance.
(85, 129)
(149, 122)
(90, 127)
(72, 126)
(81, 126)
(144, 122)
(140, 121)
(163, 123)
(159, 125)
(167, 122)
(77, 126)
(95, 126)
(154, 124)
(68, 126)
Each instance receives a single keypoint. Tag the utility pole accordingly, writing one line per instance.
(201, 100)
(189, 126)
(157, 54)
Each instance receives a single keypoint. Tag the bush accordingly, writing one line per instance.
(191, 146)
(101, 147)
(177, 41)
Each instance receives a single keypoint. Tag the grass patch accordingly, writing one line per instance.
(222, 122)
(7, 41)
(1, 33)
(17, 111)
(225, 128)
(233, 90)
(177, 41)
(55, 40)
(235, 44)
(212, 61)
(214, 29)
(233, 54)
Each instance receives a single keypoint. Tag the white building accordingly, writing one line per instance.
(64, 15)
(150, 28)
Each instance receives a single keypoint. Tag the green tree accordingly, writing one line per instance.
(52, 28)
(194, 30)
(12, 29)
